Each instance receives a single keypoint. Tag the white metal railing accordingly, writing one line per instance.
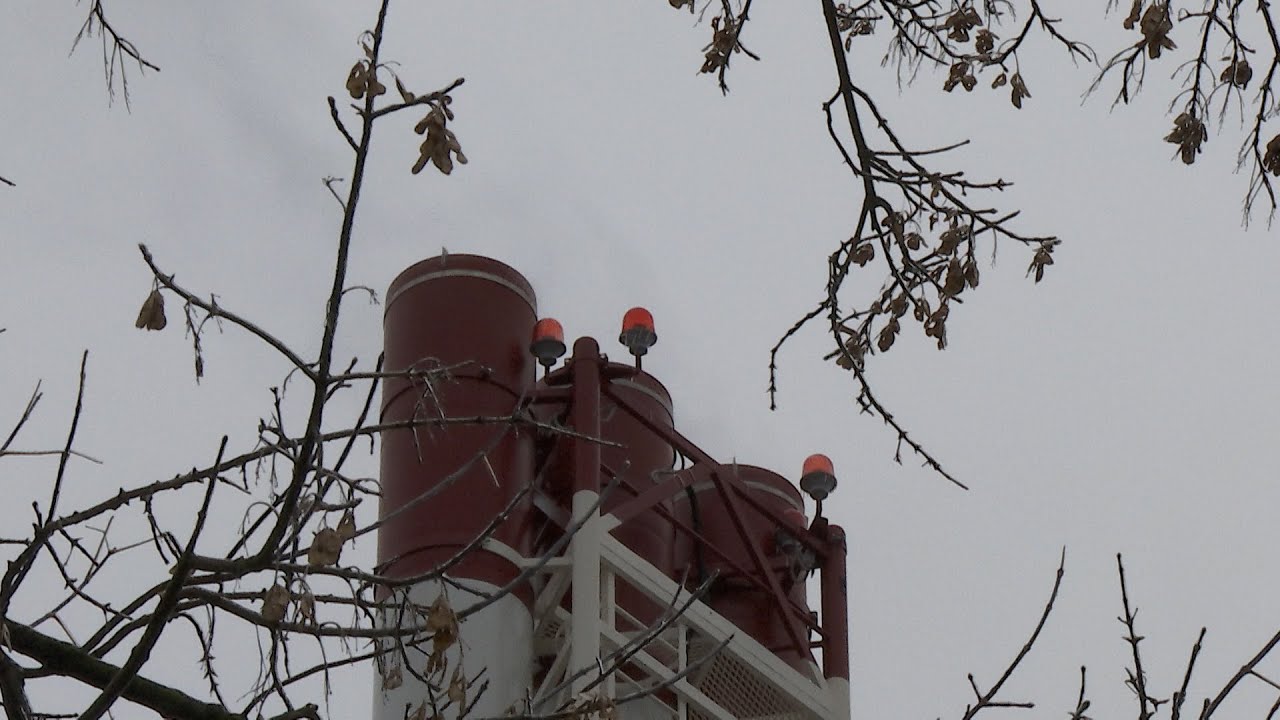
(744, 680)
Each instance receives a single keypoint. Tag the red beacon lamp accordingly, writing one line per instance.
(818, 479)
(548, 343)
(638, 333)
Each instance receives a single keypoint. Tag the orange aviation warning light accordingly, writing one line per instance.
(548, 342)
(637, 332)
(818, 478)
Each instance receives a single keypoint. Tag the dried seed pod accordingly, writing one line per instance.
(442, 623)
(347, 526)
(887, 335)
(985, 42)
(959, 71)
(954, 284)
(151, 316)
(863, 254)
(1237, 73)
(950, 239)
(357, 80)
(1135, 11)
(1019, 90)
(936, 326)
(375, 87)
(457, 692)
(405, 95)
(1188, 134)
(326, 548)
(1042, 259)
(392, 678)
(275, 602)
(1155, 27)
(307, 607)
(1271, 159)
(922, 310)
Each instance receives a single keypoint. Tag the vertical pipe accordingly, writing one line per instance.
(584, 627)
(835, 621)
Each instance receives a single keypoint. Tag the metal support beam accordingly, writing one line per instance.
(584, 627)
(835, 620)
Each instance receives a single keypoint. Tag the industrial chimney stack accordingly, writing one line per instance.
(569, 510)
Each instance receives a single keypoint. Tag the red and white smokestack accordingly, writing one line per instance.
(442, 485)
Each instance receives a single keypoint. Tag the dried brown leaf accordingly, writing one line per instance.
(960, 22)
(347, 526)
(950, 239)
(1018, 90)
(326, 548)
(1237, 73)
(392, 677)
(936, 326)
(1042, 259)
(985, 41)
(863, 254)
(1155, 26)
(1135, 11)
(357, 80)
(955, 281)
(457, 692)
(1271, 159)
(960, 73)
(151, 316)
(275, 602)
(922, 310)
(853, 354)
(307, 607)
(405, 95)
(888, 334)
(1189, 132)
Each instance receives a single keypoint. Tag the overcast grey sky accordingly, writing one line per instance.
(1126, 404)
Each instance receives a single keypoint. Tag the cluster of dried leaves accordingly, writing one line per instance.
(1188, 133)
(929, 32)
(918, 224)
(441, 624)
(924, 271)
(1245, 31)
(1154, 23)
(590, 706)
(282, 574)
(440, 147)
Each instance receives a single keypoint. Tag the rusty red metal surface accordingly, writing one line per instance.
(474, 316)
(640, 461)
(731, 539)
(745, 523)
(835, 603)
